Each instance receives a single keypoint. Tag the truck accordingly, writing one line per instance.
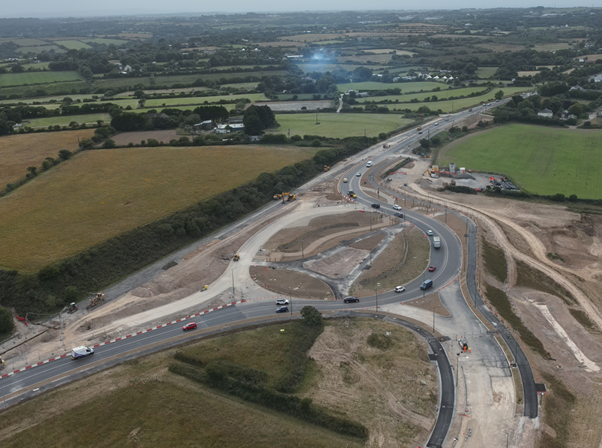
(81, 352)
(436, 242)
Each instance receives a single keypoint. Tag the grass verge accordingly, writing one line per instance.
(501, 303)
(531, 278)
(557, 406)
(495, 260)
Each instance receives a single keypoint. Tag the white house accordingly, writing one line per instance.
(545, 113)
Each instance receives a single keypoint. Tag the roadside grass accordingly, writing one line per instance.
(141, 404)
(532, 278)
(541, 159)
(72, 44)
(64, 120)
(495, 260)
(500, 301)
(558, 406)
(338, 125)
(17, 152)
(97, 195)
(582, 317)
(275, 352)
(19, 79)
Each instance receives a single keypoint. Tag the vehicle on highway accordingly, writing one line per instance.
(432, 268)
(369, 164)
(426, 284)
(352, 194)
(437, 124)
(358, 174)
(189, 326)
(429, 233)
(81, 352)
(436, 242)
(281, 302)
(282, 309)
(399, 215)
(397, 207)
(345, 180)
(375, 205)
(399, 289)
(351, 299)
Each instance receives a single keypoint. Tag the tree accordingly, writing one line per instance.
(109, 144)
(253, 125)
(576, 109)
(499, 95)
(17, 69)
(311, 316)
(7, 324)
(33, 171)
(65, 154)
(71, 294)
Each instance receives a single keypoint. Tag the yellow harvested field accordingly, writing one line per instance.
(99, 194)
(19, 151)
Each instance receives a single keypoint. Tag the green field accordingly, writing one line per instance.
(19, 79)
(444, 93)
(486, 72)
(201, 99)
(40, 49)
(97, 195)
(338, 125)
(27, 42)
(56, 88)
(105, 41)
(540, 159)
(72, 44)
(64, 120)
(404, 86)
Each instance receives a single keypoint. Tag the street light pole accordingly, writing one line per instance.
(377, 286)
(290, 299)
(457, 369)
(233, 281)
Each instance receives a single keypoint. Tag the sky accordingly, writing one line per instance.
(77, 8)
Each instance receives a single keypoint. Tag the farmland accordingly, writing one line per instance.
(486, 72)
(444, 93)
(404, 86)
(72, 44)
(541, 160)
(338, 125)
(64, 120)
(17, 152)
(18, 79)
(99, 194)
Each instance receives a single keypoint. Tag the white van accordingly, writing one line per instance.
(369, 164)
(81, 352)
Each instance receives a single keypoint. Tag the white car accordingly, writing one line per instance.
(399, 289)
(429, 233)
(281, 302)
(437, 124)
(359, 174)
(397, 207)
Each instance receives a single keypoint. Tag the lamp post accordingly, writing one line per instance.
(457, 369)
(434, 319)
(290, 299)
(233, 280)
(377, 286)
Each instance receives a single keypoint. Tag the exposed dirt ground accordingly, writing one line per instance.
(392, 391)
(302, 285)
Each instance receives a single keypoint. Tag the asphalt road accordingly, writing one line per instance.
(448, 261)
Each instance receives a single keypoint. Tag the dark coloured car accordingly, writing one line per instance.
(375, 205)
(282, 309)
(399, 215)
(189, 326)
(432, 268)
(351, 300)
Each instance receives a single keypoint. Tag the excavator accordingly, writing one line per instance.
(285, 197)
(326, 168)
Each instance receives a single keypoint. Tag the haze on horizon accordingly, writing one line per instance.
(71, 8)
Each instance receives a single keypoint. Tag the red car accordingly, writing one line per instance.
(189, 326)
(432, 268)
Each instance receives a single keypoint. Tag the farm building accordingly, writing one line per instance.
(545, 113)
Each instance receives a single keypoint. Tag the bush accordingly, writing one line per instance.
(7, 324)
(71, 294)
(311, 316)
(316, 143)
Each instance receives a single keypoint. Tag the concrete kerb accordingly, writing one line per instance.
(281, 296)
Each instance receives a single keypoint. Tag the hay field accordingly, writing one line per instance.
(19, 79)
(17, 152)
(99, 194)
(338, 125)
(540, 159)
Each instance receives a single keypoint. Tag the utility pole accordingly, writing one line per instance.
(233, 281)
(377, 286)
(290, 299)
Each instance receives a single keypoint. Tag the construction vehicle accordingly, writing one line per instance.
(452, 182)
(326, 168)
(285, 197)
(236, 257)
(420, 129)
(98, 298)
(72, 308)
(2, 363)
